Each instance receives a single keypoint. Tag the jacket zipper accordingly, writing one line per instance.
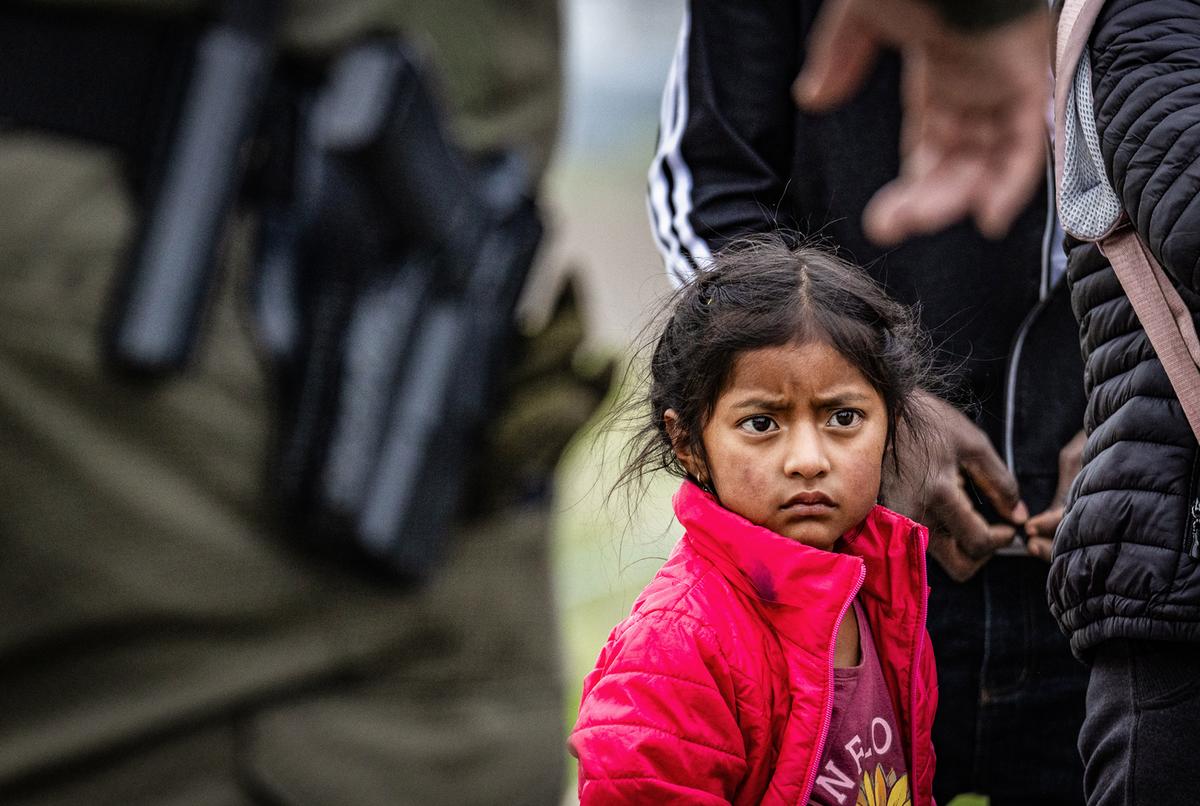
(810, 780)
(1193, 532)
(918, 647)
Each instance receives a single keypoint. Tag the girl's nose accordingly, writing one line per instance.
(806, 454)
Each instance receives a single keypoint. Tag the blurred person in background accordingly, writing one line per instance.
(973, 95)
(166, 638)
(736, 157)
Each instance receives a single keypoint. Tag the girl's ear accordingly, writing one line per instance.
(680, 445)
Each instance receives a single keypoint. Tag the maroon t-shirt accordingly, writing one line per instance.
(863, 761)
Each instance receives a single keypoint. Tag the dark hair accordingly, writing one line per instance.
(760, 292)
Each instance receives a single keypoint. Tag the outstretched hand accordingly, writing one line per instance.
(975, 106)
(930, 488)
(1040, 528)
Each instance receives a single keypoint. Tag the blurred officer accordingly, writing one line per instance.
(164, 640)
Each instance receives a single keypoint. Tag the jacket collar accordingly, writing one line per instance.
(778, 570)
(804, 592)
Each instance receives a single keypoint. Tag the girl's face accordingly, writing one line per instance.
(795, 443)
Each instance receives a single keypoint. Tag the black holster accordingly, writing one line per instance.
(388, 267)
(386, 296)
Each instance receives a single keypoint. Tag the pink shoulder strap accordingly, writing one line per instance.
(1162, 312)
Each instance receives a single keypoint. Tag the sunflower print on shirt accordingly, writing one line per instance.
(883, 790)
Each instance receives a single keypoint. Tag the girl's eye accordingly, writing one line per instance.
(845, 418)
(758, 424)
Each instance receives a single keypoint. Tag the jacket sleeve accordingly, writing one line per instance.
(726, 130)
(1145, 60)
(656, 724)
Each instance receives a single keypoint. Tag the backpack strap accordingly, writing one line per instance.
(1163, 314)
(1094, 214)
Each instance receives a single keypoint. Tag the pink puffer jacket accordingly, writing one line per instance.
(717, 688)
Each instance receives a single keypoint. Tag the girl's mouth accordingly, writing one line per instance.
(809, 504)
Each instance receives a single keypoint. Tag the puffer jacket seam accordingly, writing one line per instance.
(1133, 332)
(1141, 362)
(1174, 614)
(667, 614)
(1120, 542)
(1183, 172)
(678, 611)
(674, 614)
(666, 675)
(677, 607)
(741, 703)
(674, 734)
(1141, 396)
(1132, 441)
(1082, 494)
(629, 778)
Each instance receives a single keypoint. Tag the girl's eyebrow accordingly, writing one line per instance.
(841, 399)
(762, 403)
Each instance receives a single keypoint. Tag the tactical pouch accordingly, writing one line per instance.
(389, 314)
(155, 320)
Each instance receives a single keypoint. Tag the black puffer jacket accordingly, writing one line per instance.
(1126, 555)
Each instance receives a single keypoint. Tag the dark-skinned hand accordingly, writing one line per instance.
(931, 488)
(1040, 528)
(974, 106)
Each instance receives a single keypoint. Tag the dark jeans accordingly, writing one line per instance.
(1011, 695)
(1140, 741)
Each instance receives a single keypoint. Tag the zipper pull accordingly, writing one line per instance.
(1194, 531)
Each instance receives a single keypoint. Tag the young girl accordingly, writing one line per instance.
(780, 655)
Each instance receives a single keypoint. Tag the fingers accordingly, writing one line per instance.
(1041, 527)
(1039, 547)
(953, 515)
(950, 557)
(1070, 463)
(923, 200)
(988, 471)
(975, 115)
(1017, 170)
(841, 51)
(1040, 530)
(1000, 535)
(1044, 523)
(1018, 52)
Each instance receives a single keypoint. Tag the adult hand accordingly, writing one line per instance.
(1040, 528)
(975, 106)
(930, 488)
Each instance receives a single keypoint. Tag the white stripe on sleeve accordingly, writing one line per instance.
(669, 193)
